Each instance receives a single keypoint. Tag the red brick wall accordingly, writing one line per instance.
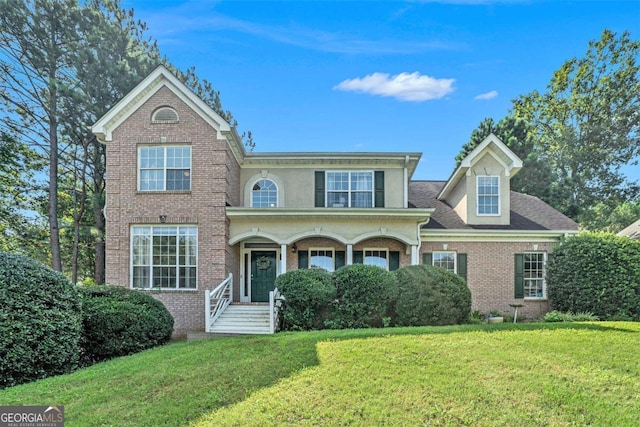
(490, 274)
(214, 179)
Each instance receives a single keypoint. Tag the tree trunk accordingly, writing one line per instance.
(98, 211)
(54, 230)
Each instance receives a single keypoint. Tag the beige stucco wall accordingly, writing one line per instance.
(296, 185)
(487, 165)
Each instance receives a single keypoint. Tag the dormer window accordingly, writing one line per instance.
(488, 191)
(164, 115)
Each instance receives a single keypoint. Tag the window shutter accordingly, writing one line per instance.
(394, 260)
(379, 187)
(519, 276)
(340, 259)
(462, 266)
(303, 259)
(358, 257)
(320, 189)
(427, 258)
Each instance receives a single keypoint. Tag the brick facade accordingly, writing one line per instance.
(214, 182)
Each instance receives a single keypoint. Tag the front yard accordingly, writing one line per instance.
(485, 375)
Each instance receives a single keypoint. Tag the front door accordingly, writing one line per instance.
(263, 275)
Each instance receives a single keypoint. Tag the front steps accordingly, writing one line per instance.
(243, 319)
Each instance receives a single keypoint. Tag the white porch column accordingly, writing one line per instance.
(283, 259)
(415, 258)
(349, 254)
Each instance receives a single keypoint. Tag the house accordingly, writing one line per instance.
(632, 231)
(189, 211)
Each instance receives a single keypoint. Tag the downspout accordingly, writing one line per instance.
(405, 175)
(420, 224)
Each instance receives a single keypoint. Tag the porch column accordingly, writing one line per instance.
(415, 258)
(349, 254)
(283, 259)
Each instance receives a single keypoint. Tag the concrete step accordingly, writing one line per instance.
(243, 319)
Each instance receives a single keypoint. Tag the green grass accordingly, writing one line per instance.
(476, 375)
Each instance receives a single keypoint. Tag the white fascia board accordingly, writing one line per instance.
(431, 235)
(274, 213)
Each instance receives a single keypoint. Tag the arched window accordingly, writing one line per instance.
(264, 194)
(164, 114)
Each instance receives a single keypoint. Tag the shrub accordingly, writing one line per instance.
(596, 273)
(308, 294)
(117, 321)
(431, 296)
(39, 321)
(558, 316)
(365, 296)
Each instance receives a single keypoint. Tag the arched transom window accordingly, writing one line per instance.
(264, 194)
(164, 114)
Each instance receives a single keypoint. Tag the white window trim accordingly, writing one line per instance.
(455, 259)
(364, 255)
(544, 275)
(131, 235)
(478, 195)
(348, 204)
(264, 179)
(164, 167)
(326, 249)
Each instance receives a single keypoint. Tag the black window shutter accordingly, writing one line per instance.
(303, 259)
(379, 187)
(340, 259)
(462, 266)
(427, 258)
(519, 276)
(358, 257)
(394, 260)
(320, 189)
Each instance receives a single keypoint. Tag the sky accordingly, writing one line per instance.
(364, 76)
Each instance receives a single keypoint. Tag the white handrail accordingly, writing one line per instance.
(217, 300)
(275, 301)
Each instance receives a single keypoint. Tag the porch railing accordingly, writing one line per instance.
(217, 300)
(275, 301)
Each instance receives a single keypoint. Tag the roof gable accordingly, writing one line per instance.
(157, 79)
(492, 146)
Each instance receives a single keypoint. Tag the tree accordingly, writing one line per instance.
(586, 126)
(534, 177)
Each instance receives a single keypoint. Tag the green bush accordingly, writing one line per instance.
(596, 273)
(117, 321)
(431, 296)
(39, 321)
(308, 294)
(558, 316)
(365, 296)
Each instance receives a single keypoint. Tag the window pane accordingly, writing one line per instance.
(337, 181)
(376, 257)
(141, 277)
(321, 259)
(446, 260)
(179, 157)
(361, 200)
(187, 277)
(152, 157)
(178, 179)
(151, 180)
(264, 194)
(361, 181)
(338, 200)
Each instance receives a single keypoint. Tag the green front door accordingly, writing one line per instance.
(263, 275)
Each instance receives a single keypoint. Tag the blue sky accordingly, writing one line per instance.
(377, 76)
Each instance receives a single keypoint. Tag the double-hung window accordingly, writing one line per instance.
(322, 258)
(534, 285)
(164, 257)
(350, 189)
(446, 260)
(164, 168)
(377, 257)
(488, 190)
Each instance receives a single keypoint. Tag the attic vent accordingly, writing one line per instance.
(164, 115)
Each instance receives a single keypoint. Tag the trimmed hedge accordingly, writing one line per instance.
(39, 321)
(597, 273)
(118, 321)
(430, 295)
(365, 296)
(308, 295)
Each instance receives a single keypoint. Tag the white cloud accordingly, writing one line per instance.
(403, 86)
(489, 95)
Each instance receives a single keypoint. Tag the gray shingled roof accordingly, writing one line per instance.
(527, 212)
(632, 231)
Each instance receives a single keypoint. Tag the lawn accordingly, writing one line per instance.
(476, 375)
